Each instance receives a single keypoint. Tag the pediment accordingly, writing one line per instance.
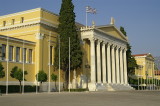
(113, 31)
(149, 56)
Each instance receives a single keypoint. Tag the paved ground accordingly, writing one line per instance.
(122, 98)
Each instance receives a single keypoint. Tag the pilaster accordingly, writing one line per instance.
(21, 54)
(14, 53)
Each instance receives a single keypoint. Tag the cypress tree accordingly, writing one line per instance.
(66, 29)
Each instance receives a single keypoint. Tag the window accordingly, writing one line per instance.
(30, 56)
(3, 51)
(24, 54)
(4, 23)
(22, 19)
(13, 21)
(17, 54)
(10, 53)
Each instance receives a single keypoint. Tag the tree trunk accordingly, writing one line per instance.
(40, 89)
(66, 79)
(20, 88)
(55, 86)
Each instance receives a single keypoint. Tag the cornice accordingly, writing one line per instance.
(16, 39)
(22, 25)
(27, 11)
(20, 13)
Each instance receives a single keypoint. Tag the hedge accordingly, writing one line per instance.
(16, 88)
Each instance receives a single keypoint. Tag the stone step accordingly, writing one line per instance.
(109, 87)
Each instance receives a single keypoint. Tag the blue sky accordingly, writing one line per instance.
(140, 18)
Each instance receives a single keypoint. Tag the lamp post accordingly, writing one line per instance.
(50, 47)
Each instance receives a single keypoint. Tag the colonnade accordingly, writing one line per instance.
(108, 62)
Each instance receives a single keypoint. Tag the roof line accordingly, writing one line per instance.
(16, 39)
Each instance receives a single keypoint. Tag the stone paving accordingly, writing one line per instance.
(114, 98)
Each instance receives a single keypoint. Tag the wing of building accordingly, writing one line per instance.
(28, 39)
(146, 65)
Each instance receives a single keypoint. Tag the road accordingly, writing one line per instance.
(114, 98)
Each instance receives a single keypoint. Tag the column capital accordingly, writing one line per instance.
(125, 49)
(108, 44)
(122, 48)
(117, 47)
(39, 36)
(92, 39)
(104, 43)
(99, 41)
(113, 46)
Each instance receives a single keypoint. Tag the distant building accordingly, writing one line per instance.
(145, 68)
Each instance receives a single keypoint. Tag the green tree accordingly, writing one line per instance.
(66, 29)
(123, 31)
(54, 78)
(2, 73)
(18, 74)
(42, 77)
(131, 62)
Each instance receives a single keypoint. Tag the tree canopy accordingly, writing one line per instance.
(131, 62)
(17, 73)
(42, 76)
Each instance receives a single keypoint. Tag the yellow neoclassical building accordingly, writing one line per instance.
(146, 66)
(30, 33)
(28, 39)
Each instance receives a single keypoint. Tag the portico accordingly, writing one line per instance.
(108, 65)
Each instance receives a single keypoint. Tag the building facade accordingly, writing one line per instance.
(28, 39)
(105, 50)
(146, 66)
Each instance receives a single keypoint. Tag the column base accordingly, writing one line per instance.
(92, 87)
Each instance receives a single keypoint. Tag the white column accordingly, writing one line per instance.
(92, 51)
(98, 61)
(125, 67)
(117, 64)
(121, 67)
(113, 64)
(104, 62)
(108, 63)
